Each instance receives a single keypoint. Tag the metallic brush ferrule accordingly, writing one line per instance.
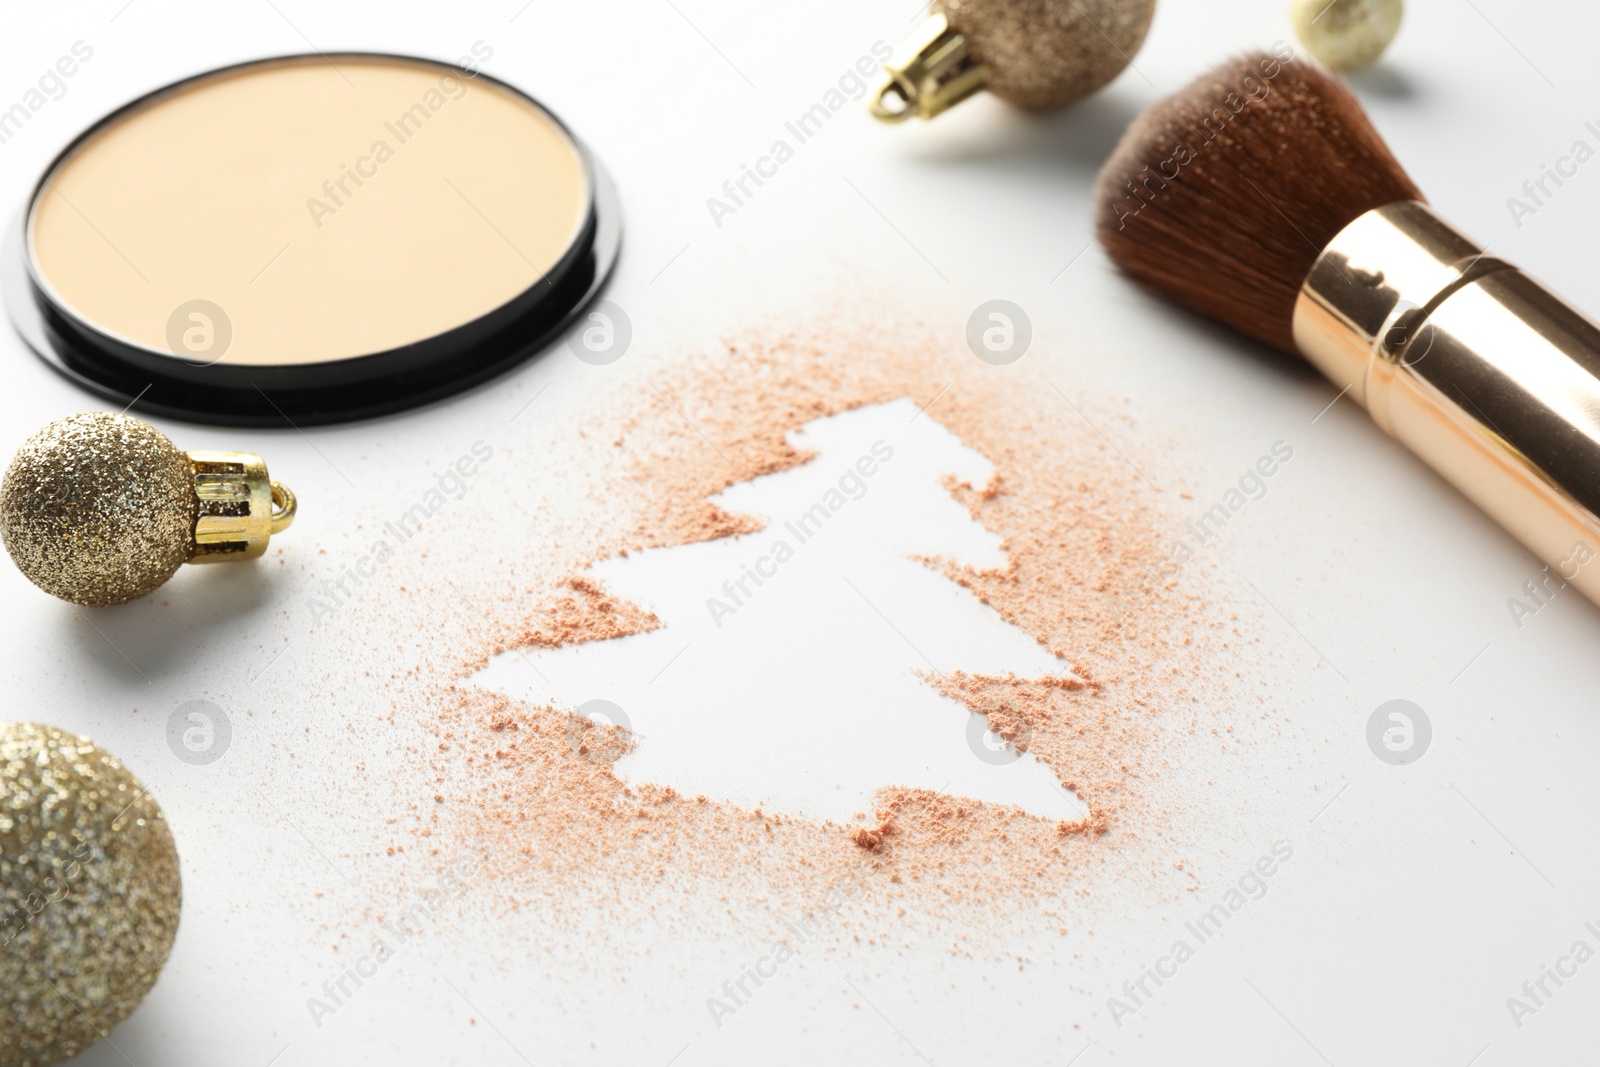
(1480, 371)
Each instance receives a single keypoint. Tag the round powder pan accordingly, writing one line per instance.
(309, 239)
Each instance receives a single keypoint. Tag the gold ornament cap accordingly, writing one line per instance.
(102, 509)
(1036, 54)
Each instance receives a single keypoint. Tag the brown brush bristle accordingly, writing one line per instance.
(1221, 196)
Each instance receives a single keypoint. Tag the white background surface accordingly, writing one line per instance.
(1416, 903)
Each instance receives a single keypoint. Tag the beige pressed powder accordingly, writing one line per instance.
(311, 210)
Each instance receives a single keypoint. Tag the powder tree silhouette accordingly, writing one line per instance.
(791, 670)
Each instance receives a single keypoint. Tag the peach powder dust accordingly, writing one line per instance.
(1146, 664)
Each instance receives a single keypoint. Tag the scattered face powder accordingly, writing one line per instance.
(1080, 530)
(330, 208)
(1158, 719)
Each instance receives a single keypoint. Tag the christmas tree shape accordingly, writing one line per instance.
(790, 671)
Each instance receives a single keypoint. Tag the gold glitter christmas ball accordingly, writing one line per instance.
(89, 894)
(1346, 34)
(98, 508)
(1046, 53)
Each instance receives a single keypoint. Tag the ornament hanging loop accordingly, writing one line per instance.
(283, 505)
(930, 73)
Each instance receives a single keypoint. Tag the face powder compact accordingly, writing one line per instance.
(309, 238)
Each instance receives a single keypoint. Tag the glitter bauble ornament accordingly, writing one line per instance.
(89, 894)
(101, 508)
(1346, 34)
(1033, 53)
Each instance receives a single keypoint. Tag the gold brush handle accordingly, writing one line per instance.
(1483, 373)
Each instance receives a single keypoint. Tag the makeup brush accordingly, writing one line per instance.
(1262, 196)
